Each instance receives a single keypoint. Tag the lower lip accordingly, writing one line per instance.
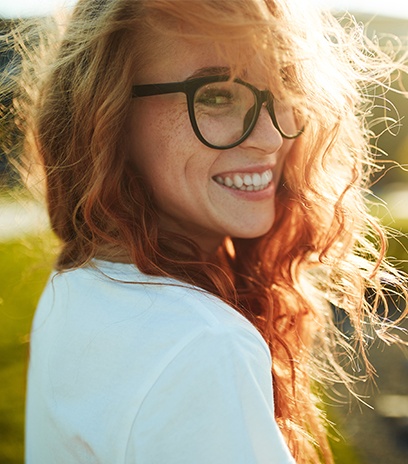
(253, 195)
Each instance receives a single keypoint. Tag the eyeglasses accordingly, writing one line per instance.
(224, 112)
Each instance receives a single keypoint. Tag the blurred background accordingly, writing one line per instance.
(374, 431)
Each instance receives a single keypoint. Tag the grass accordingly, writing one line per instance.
(24, 268)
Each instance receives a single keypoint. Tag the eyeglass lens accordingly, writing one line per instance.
(225, 110)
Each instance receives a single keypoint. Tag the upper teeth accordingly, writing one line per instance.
(248, 182)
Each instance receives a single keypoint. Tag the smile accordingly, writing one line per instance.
(248, 182)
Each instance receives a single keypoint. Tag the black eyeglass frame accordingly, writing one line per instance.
(190, 87)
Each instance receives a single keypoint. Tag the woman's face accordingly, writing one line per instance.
(194, 186)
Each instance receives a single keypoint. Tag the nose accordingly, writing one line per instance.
(264, 136)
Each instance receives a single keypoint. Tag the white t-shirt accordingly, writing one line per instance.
(154, 372)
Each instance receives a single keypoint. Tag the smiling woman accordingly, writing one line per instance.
(206, 165)
(205, 186)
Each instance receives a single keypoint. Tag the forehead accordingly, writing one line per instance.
(174, 59)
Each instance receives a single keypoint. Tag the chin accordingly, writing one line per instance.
(253, 232)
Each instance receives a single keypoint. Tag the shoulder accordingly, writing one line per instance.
(142, 332)
(112, 293)
(155, 359)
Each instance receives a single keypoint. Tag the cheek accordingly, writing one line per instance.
(155, 138)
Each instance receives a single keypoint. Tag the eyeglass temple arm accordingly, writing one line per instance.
(147, 90)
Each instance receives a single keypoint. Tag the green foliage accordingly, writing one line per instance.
(22, 279)
(343, 451)
(398, 242)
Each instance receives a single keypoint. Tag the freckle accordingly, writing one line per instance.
(175, 122)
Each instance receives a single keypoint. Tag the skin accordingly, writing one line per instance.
(181, 171)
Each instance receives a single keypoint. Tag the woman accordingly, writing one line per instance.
(205, 166)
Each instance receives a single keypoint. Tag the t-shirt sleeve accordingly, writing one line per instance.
(213, 404)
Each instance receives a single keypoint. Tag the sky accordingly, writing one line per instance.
(396, 8)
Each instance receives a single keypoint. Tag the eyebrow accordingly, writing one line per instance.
(210, 71)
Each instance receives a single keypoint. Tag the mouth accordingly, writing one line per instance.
(246, 181)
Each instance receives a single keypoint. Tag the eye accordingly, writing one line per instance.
(215, 96)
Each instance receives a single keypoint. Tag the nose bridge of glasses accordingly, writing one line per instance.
(265, 98)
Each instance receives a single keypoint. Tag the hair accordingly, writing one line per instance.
(324, 249)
